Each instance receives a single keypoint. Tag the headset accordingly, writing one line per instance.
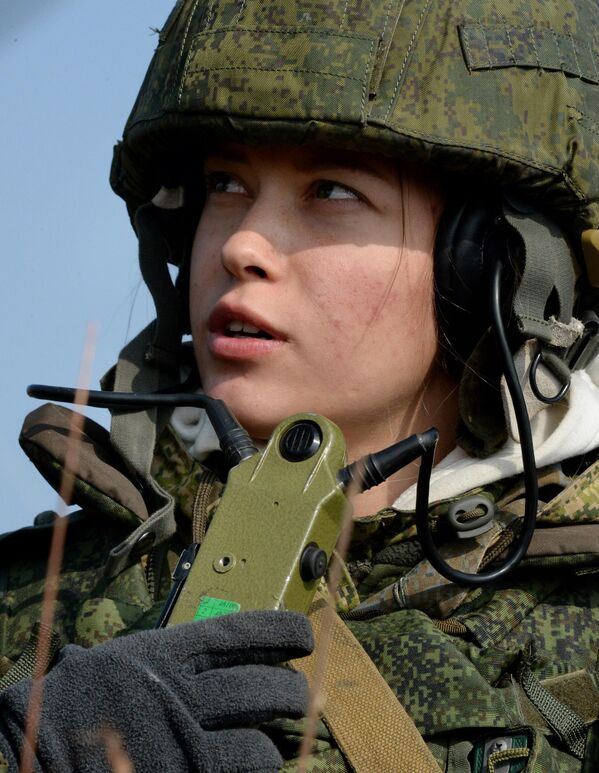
(472, 236)
(477, 266)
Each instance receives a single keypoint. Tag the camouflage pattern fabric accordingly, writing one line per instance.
(460, 688)
(504, 90)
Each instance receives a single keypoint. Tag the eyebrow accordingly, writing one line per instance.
(340, 160)
(311, 161)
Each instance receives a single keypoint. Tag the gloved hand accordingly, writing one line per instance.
(181, 698)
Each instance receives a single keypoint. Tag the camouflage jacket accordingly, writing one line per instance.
(510, 668)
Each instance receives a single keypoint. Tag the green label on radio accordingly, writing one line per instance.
(211, 607)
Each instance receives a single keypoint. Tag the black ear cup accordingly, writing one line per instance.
(472, 234)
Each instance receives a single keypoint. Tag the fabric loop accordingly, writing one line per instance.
(565, 722)
(133, 433)
(548, 277)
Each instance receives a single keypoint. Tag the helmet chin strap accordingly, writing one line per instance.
(149, 363)
(156, 229)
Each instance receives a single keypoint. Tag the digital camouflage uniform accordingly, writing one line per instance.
(498, 91)
(480, 672)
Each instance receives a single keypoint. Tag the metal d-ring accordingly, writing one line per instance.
(535, 387)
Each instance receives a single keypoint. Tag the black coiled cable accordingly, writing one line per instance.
(519, 549)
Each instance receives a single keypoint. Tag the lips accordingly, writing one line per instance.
(231, 334)
(224, 314)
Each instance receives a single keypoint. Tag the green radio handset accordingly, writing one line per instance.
(294, 489)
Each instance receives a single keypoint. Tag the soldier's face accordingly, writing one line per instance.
(311, 285)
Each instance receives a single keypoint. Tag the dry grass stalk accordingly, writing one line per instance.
(116, 756)
(56, 555)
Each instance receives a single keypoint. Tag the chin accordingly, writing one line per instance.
(258, 416)
(259, 425)
(260, 406)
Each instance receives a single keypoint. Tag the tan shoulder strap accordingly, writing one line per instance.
(369, 724)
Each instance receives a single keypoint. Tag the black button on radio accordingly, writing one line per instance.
(301, 441)
(313, 563)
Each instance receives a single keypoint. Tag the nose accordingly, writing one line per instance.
(252, 252)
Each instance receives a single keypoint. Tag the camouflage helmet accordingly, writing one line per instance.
(503, 92)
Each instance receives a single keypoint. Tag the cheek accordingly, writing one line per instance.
(388, 290)
(344, 289)
(197, 294)
(393, 318)
(203, 272)
(415, 300)
(340, 306)
(415, 318)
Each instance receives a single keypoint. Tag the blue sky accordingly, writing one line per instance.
(70, 72)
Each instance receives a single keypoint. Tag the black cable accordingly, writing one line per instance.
(519, 549)
(373, 469)
(234, 441)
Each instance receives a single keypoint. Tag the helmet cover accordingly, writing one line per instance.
(501, 90)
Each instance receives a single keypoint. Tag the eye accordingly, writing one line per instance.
(327, 189)
(220, 182)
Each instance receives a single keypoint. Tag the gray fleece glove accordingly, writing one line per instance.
(180, 699)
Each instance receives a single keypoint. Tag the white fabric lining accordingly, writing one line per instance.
(560, 431)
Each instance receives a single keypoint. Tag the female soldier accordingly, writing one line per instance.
(364, 166)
